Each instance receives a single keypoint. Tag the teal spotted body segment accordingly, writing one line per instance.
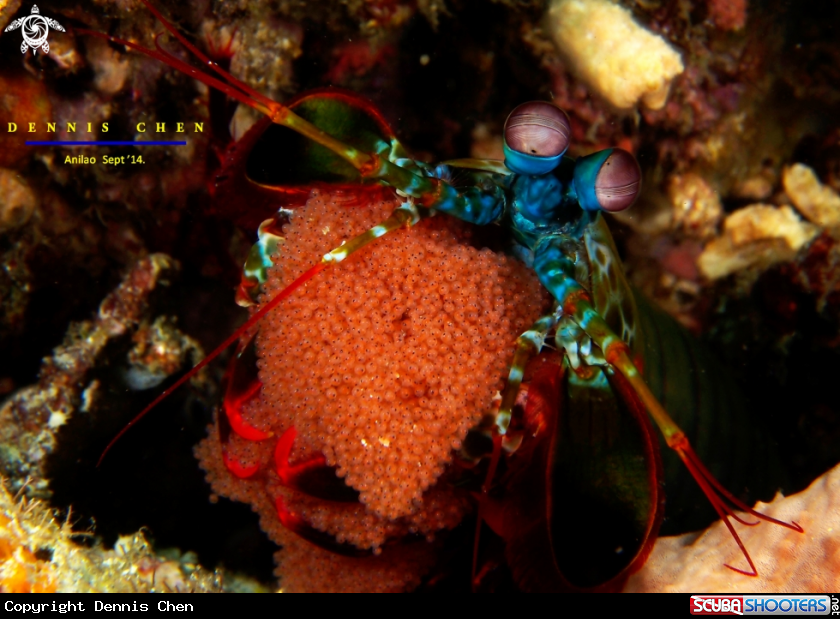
(538, 201)
(612, 295)
(556, 268)
(556, 260)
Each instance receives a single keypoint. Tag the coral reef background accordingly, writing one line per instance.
(114, 279)
(41, 555)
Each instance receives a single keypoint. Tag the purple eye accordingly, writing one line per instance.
(618, 181)
(538, 128)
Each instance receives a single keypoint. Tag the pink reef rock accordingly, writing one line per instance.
(728, 14)
(787, 561)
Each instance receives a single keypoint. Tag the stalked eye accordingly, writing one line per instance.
(538, 128)
(536, 136)
(608, 180)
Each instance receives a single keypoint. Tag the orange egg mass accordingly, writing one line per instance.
(382, 364)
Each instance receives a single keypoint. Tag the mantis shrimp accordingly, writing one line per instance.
(612, 350)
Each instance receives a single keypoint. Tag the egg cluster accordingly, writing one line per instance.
(382, 364)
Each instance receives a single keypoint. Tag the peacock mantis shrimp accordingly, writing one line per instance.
(550, 206)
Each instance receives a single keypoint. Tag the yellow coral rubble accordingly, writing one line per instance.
(38, 555)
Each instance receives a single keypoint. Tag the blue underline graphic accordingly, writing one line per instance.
(104, 143)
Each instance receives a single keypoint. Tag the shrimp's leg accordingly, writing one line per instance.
(556, 272)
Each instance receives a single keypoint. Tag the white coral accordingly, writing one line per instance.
(619, 59)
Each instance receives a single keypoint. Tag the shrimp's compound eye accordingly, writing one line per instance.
(538, 128)
(536, 136)
(609, 180)
(619, 181)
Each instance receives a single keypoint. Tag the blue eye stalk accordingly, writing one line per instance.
(522, 163)
(609, 180)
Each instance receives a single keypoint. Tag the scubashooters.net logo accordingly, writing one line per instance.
(35, 29)
(763, 605)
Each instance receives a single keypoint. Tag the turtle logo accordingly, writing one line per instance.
(35, 28)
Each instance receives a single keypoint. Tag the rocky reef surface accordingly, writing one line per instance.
(787, 561)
